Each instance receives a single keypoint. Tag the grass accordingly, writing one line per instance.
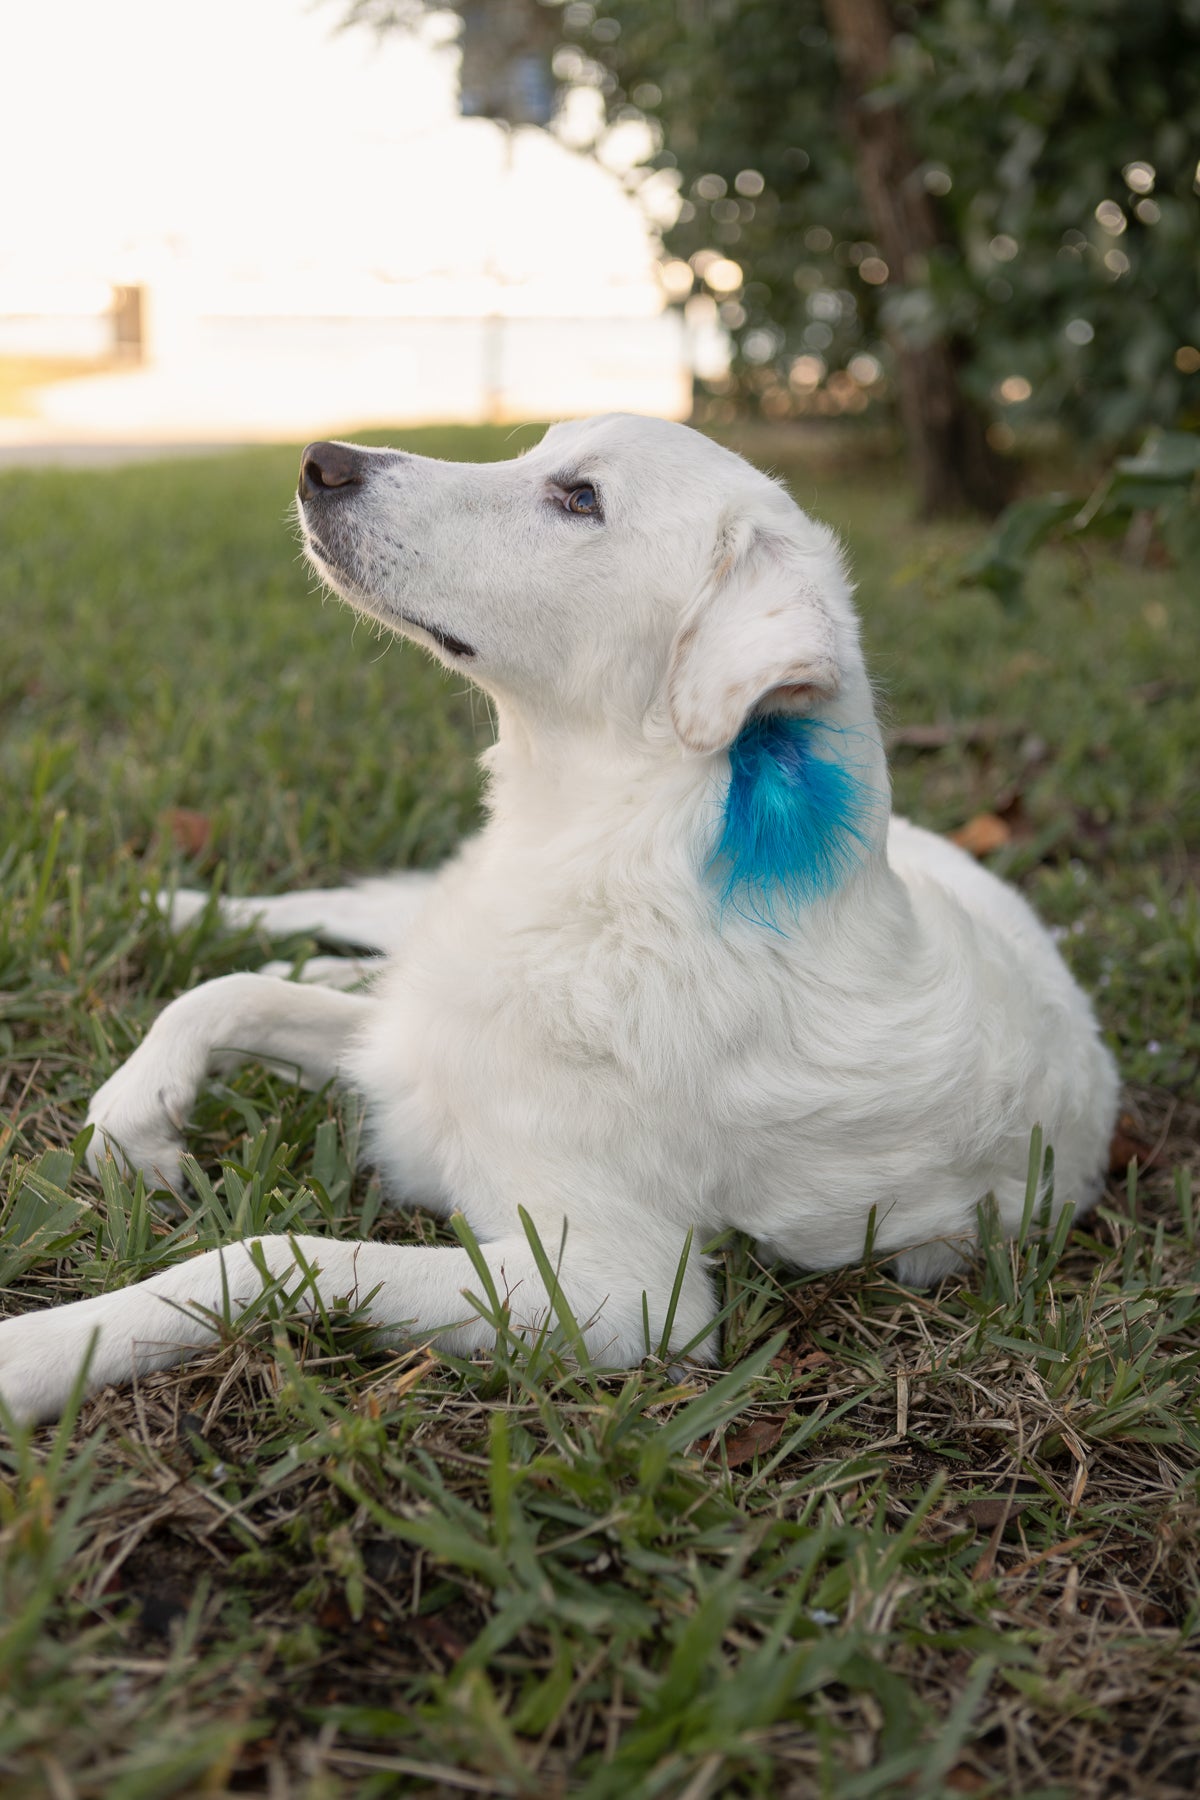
(907, 1543)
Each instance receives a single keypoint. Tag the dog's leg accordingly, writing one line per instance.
(141, 1110)
(372, 915)
(327, 971)
(418, 1293)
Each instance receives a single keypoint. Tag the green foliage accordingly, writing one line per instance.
(39, 1219)
(1001, 562)
(1058, 144)
(1159, 487)
(1069, 129)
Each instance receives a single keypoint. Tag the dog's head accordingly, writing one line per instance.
(633, 582)
(625, 570)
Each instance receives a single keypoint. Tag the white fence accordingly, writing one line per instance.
(227, 375)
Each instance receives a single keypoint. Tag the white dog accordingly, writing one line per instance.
(688, 977)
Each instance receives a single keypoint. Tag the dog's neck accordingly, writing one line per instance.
(598, 807)
(567, 781)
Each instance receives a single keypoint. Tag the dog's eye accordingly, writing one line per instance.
(583, 500)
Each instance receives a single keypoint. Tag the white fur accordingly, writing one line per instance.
(568, 1021)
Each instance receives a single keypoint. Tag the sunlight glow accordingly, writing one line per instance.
(313, 227)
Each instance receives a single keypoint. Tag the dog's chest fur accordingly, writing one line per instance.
(537, 1037)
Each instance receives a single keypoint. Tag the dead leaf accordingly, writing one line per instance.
(995, 1509)
(190, 831)
(1128, 1146)
(983, 834)
(753, 1440)
(1128, 1609)
(962, 1779)
(333, 1614)
(787, 1364)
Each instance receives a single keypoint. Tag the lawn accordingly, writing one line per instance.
(907, 1543)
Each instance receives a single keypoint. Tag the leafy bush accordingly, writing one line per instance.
(1158, 490)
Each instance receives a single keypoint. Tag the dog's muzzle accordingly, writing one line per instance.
(329, 476)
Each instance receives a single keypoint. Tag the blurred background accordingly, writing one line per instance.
(977, 224)
(253, 221)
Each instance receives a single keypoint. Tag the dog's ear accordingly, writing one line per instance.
(760, 638)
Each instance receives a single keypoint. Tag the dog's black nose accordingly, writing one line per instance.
(325, 466)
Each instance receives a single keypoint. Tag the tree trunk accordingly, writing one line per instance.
(954, 466)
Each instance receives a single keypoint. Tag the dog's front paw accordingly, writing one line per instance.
(140, 1125)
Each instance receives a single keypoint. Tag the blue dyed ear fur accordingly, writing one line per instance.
(796, 818)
